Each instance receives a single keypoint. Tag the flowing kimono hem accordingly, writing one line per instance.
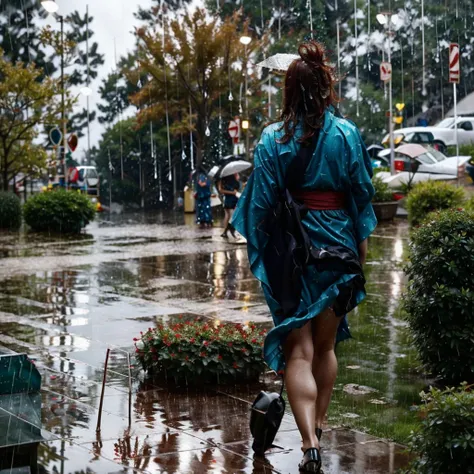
(273, 353)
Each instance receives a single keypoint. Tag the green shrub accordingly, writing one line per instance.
(440, 296)
(10, 211)
(202, 351)
(59, 211)
(430, 196)
(382, 191)
(444, 441)
(470, 204)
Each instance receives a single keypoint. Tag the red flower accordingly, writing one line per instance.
(180, 316)
(153, 350)
(192, 340)
(202, 354)
(135, 339)
(206, 343)
(187, 358)
(178, 336)
(235, 365)
(155, 358)
(254, 341)
(219, 357)
(172, 355)
(230, 344)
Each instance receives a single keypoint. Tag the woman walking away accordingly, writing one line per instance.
(317, 163)
(203, 199)
(229, 187)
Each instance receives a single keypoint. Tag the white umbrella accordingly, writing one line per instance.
(279, 62)
(233, 167)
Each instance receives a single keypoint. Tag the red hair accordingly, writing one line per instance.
(309, 90)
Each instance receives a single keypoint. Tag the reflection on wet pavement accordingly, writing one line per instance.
(65, 301)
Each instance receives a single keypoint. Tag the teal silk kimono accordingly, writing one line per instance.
(340, 163)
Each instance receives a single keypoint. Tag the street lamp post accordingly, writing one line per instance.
(52, 7)
(246, 40)
(387, 20)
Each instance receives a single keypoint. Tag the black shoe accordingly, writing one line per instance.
(224, 235)
(311, 462)
(319, 433)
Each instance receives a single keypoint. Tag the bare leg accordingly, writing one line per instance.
(300, 384)
(227, 218)
(324, 361)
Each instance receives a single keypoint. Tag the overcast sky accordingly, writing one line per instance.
(113, 20)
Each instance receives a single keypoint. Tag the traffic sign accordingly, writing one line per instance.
(234, 129)
(72, 142)
(454, 63)
(55, 136)
(385, 71)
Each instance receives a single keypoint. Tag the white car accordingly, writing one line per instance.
(89, 178)
(444, 132)
(414, 163)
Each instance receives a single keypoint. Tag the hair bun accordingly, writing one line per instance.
(312, 53)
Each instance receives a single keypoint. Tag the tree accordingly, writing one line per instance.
(78, 64)
(189, 68)
(20, 35)
(25, 103)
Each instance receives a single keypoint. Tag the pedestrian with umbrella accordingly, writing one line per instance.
(229, 186)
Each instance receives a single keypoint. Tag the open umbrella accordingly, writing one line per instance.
(234, 167)
(279, 62)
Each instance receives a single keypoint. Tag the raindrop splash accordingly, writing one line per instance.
(208, 131)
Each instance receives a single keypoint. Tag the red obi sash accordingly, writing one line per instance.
(321, 200)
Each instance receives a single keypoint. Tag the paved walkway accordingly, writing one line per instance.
(65, 302)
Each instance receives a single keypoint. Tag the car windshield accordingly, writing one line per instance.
(446, 123)
(437, 155)
(426, 158)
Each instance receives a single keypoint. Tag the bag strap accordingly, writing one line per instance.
(282, 385)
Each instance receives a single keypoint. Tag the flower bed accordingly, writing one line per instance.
(198, 351)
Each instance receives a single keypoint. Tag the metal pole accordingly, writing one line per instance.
(104, 379)
(456, 127)
(390, 126)
(338, 34)
(356, 58)
(247, 138)
(423, 47)
(88, 85)
(63, 103)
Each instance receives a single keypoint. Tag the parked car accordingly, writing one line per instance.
(443, 134)
(32, 185)
(89, 179)
(415, 163)
(424, 138)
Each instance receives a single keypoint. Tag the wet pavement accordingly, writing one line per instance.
(65, 301)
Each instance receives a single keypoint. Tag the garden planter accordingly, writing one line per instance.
(385, 211)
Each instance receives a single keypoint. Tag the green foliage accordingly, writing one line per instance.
(202, 351)
(470, 204)
(382, 191)
(444, 441)
(432, 196)
(10, 211)
(25, 103)
(464, 150)
(440, 297)
(59, 211)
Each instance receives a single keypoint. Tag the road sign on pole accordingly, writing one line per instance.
(385, 71)
(72, 142)
(454, 63)
(234, 130)
(56, 136)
